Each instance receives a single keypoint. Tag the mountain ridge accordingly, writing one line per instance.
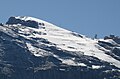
(46, 46)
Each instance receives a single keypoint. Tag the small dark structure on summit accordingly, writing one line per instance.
(1, 24)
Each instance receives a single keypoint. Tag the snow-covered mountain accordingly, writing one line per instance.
(31, 48)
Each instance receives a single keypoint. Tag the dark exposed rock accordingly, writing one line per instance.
(19, 63)
(115, 38)
(30, 23)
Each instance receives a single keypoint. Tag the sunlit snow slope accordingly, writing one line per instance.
(75, 44)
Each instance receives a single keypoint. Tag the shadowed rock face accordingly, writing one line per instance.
(18, 62)
(113, 37)
(30, 23)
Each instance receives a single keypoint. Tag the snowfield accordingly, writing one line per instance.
(65, 40)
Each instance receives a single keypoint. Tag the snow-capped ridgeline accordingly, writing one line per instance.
(63, 40)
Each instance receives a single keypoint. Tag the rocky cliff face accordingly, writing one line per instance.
(34, 49)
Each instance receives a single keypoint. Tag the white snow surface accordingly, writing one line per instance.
(96, 67)
(66, 40)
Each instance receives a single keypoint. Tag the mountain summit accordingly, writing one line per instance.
(31, 48)
(26, 21)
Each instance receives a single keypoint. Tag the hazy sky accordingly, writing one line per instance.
(88, 17)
